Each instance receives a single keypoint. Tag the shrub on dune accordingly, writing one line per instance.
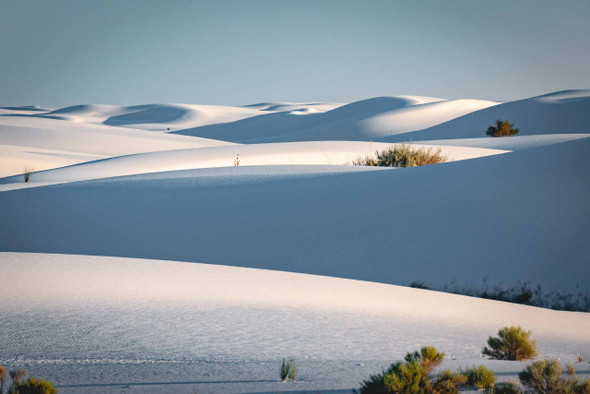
(414, 376)
(512, 343)
(403, 155)
(546, 377)
(479, 377)
(502, 128)
(504, 388)
(35, 386)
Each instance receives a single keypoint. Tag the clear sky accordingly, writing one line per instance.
(58, 53)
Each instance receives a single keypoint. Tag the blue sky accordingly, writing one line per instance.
(59, 53)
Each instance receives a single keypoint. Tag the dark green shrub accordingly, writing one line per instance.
(504, 388)
(35, 386)
(403, 155)
(512, 343)
(501, 128)
(546, 377)
(413, 376)
(480, 377)
(288, 370)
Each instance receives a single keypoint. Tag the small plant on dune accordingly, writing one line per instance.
(27, 171)
(414, 376)
(546, 377)
(403, 155)
(512, 343)
(479, 377)
(502, 128)
(288, 370)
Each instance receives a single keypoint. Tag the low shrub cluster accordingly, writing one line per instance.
(403, 155)
(546, 377)
(414, 376)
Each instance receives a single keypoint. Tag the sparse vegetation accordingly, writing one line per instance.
(546, 377)
(403, 155)
(524, 293)
(414, 376)
(418, 284)
(288, 370)
(479, 377)
(502, 128)
(27, 172)
(512, 343)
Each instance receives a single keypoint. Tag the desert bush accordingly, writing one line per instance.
(480, 377)
(35, 386)
(512, 343)
(288, 370)
(502, 128)
(413, 376)
(504, 388)
(403, 155)
(546, 377)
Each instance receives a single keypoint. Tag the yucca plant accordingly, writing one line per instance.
(288, 370)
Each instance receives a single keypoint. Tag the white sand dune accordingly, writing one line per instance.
(456, 221)
(362, 120)
(559, 112)
(116, 183)
(141, 319)
(29, 141)
(313, 152)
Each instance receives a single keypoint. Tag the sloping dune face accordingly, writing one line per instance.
(363, 120)
(98, 324)
(560, 112)
(463, 220)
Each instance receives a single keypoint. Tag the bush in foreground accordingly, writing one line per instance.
(512, 343)
(35, 386)
(546, 377)
(403, 155)
(504, 388)
(20, 386)
(414, 376)
(502, 128)
(480, 377)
